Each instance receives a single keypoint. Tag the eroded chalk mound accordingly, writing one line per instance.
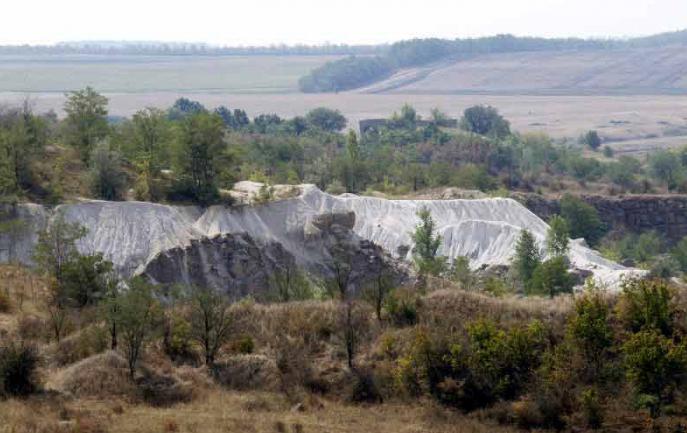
(135, 235)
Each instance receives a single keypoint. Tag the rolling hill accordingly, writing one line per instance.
(661, 70)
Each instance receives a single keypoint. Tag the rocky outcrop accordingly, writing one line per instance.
(666, 214)
(234, 264)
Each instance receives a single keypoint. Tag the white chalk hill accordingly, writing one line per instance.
(131, 234)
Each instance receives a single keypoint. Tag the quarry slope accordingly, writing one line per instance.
(658, 70)
(133, 234)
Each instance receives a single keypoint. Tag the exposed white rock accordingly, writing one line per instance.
(131, 234)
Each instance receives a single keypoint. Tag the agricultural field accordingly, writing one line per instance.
(142, 73)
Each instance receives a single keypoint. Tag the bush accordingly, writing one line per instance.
(177, 340)
(656, 366)
(365, 389)
(552, 278)
(590, 330)
(88, 342)
(485, 120)
(583, 219)
(5, 303)
(591, 139)
(592, 409)
(18, 365)
(647, 304)
(401, 308)
(244, 345)
(108, 179)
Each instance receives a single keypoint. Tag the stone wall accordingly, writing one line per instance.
(666, 214)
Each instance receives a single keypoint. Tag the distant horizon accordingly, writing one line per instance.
(210, 45)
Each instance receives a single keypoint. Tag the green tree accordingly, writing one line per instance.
(461, 273)
(378, 290)
(427, 244)
(591, 139)
(56, 247)
(656, 366)
(582, 218)
(552, 278)
(137, 314)
(326, 119)
(557, 237)
(527, 256)
(151, 137)
(210, 321)
(679, 253)
(22, 138)
(589, 328)
(86, 121)
(647, 304)
(665, 166)
(107, 176)
(200, 151)
(87, 279)
(485, 120)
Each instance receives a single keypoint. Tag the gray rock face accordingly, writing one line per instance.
(666, 214)
(234, 264)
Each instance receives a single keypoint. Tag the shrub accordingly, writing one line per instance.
(582, 218)
(592, 409)
(244, 345)
(88, 342)
(401, 308)
(108, 179)
(591, 139)
(18, 365)
(502, 361)
(5, 303)
(365, 389)
(551, 278)
(177, 340)
(163, 390)
(485, 120)
(589, 328)
(656, 366)
(647, 304)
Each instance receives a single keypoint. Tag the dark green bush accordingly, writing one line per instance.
(18, 364)
(647, 304)
(656, 366)
(401, 308)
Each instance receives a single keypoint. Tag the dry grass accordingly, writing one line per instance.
(222, 411)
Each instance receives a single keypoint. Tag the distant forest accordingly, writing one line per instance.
(359, 70)
(186, 49)
(403, 53)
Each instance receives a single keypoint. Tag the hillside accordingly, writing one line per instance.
(625, 71)
(577, 65)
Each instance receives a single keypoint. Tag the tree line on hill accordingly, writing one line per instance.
(359, 70)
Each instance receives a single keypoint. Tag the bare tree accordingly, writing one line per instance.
(353, 326)
(379, 289)
(210, 321)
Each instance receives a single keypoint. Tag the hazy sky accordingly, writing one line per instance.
(260, 22)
